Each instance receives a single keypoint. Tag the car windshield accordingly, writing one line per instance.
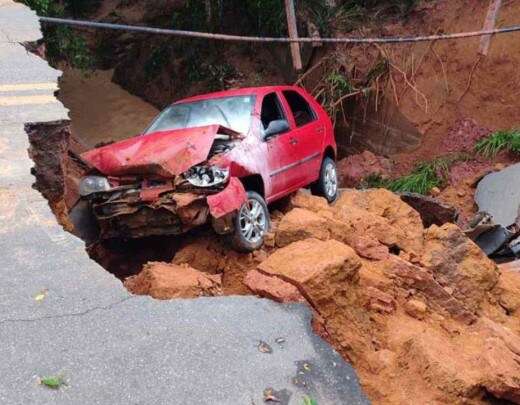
(231, 112)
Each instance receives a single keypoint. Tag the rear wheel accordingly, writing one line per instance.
(327, 184)
(251, 223)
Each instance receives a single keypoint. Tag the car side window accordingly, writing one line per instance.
(302, 111)
(271, 110)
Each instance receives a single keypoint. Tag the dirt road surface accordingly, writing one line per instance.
(62, 314)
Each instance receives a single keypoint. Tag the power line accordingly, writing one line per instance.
(240, 38)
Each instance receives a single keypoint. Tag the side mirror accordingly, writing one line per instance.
(276, 127)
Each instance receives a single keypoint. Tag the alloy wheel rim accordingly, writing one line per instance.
(331, 180)
(253, 221)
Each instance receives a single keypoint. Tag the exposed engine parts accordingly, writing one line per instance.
(206, 176)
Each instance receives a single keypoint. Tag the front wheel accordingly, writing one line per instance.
(327, 184)
(251, 223)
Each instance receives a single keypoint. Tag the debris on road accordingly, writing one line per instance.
(263, 347)
(40, 296)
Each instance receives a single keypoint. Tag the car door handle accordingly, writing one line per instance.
(320, 130)
(293, 141)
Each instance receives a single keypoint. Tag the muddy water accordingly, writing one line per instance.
(100, 110)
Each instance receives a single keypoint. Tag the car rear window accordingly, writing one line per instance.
(302, 111)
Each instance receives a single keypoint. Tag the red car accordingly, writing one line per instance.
(219, 157)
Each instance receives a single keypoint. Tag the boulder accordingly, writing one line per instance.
(459, 265)
(310, 202)
(319, 269)
(381, 214)
(431, 210)
(300, 224)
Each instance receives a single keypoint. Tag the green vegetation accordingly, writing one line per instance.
(157, 60)
(499, 141)
(42, 7)
(54, 382)
(263, 17)
(422, 179)
(191, 17)
(343, 16)
(62, 42)
(214, 74)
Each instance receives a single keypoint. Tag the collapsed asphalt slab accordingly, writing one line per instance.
(62, 314)
(498, 194)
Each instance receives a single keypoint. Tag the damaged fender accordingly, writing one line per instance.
(228, 200)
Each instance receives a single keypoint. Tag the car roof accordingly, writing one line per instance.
(246, 91)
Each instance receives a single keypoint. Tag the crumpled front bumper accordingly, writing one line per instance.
(136, 213)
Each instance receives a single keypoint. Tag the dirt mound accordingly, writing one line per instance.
(213, 256)
(166, 281)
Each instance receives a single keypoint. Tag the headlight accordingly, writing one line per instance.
(206, 176)
(93, 184)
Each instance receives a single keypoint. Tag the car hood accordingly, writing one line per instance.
(164, 153)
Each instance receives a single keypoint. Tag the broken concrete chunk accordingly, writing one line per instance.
(431, 210)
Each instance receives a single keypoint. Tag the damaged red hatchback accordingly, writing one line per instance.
(219, 157)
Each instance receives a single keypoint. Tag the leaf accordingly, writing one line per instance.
(264, 347)
(41, 295)
(54, 382)
(269, 396)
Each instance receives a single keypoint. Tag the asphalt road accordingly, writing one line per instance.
(62, 314)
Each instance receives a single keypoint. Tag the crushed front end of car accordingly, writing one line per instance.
(162, 184)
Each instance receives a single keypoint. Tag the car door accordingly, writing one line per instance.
(280, 149)
(306, 136)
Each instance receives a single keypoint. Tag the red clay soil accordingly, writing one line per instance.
(354, 168)
(422, 314)
(456, 82)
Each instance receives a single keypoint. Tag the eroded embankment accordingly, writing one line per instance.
(422, 314)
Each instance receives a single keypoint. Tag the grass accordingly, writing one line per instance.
(421, 180)
(499, 141)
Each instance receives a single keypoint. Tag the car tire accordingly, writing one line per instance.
(251, 224)
(327, 184)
